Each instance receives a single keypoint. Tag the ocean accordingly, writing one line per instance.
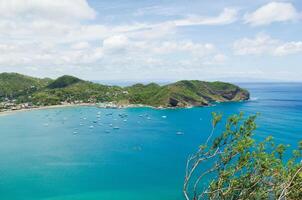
(89, 153)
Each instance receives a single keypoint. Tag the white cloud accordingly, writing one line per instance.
(265, 45)
(116, 42)
(44, 54)
(227, 16)
(272, 12)
(161, 54)
(183, 46)
(64, 36)
(52, 9)
(80, 45)
(260, 44)
(289, 48)
(220, 58)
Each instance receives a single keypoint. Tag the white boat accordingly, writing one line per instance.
(179, 133)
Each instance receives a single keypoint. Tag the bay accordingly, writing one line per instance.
(135, 153)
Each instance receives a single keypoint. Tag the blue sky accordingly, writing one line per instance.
(153, 40)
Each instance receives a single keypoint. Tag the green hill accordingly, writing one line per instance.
(64, 81)
(13, 85)
(188, 93)
(71, 89)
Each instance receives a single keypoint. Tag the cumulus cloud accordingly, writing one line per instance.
(272, 12)
(62, 35)
(26, 54)
(115, 43)
(289, 48)
(264, 44)
(53, 9)
(251, 46)
(161, 53)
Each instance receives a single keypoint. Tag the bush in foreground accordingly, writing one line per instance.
(235, 166)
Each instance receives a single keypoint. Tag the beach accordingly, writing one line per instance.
(45, 107)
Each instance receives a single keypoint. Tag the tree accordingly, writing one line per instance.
(235, 166)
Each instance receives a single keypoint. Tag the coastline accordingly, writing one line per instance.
(45, 108)
(99, 105)
(103, 105)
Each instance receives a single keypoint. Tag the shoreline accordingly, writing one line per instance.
(44, 108)
(111, 106)
(108, 106)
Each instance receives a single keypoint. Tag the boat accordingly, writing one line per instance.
(179, 133)
(164, 116)
(122, 115)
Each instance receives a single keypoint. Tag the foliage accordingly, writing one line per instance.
(70, 89)
(63, 81)
(13, 85)
(242, 168)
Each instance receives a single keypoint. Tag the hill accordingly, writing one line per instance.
(64, 81)
(72, 89)
(186, 93)
(13, 85)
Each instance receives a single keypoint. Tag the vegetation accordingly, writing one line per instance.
(71, 89)
(63, 81)
(238, 167)
(13, 85)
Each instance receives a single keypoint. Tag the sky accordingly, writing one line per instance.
(255, 40)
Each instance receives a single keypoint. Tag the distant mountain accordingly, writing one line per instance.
(72, 89)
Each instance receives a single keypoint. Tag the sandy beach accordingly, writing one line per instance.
(45, 107)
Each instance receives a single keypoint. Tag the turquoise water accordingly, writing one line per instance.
(71, 153)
